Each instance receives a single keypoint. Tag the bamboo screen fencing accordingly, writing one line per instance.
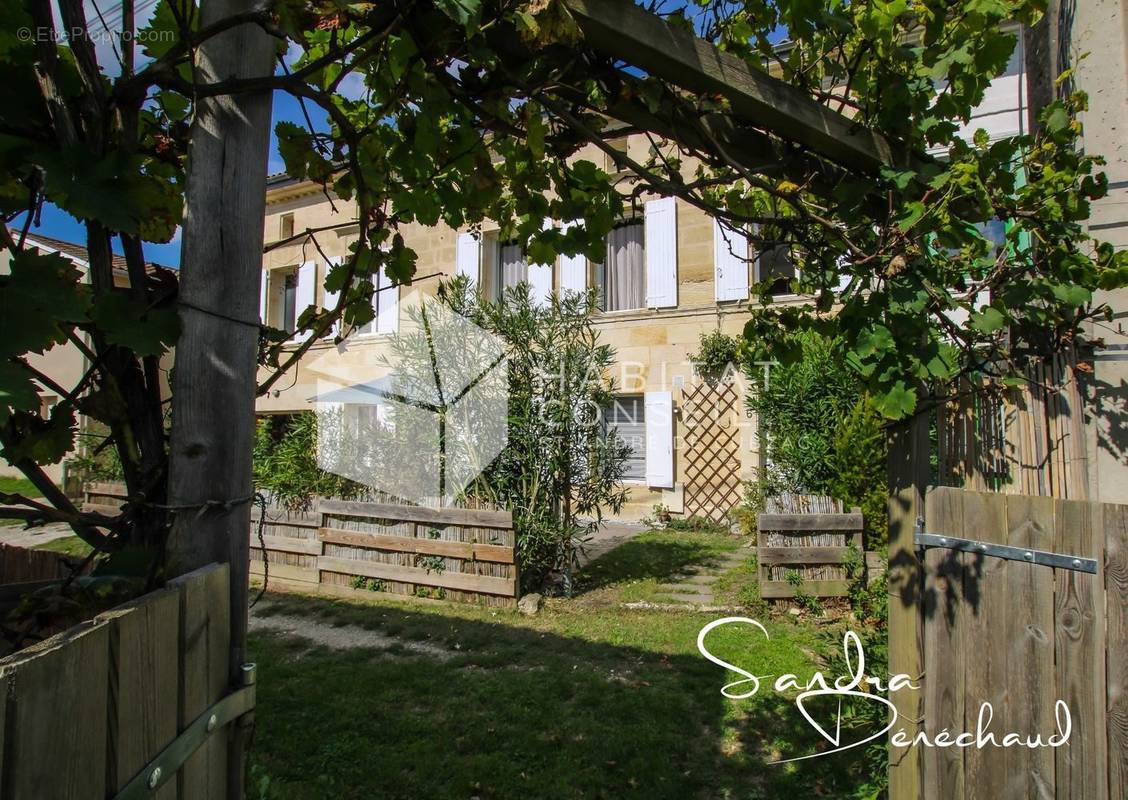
(1022, 440)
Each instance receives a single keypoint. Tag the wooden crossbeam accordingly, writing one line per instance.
(621, 29)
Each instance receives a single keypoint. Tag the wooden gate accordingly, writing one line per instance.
(1024, 603)
(712, 449)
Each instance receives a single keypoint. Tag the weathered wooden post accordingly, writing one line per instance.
(214, 380)
(908, 475)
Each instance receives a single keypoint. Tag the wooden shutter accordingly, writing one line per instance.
(661, 244)
(264, 291)
(468, 256)
(730, 259)
(386, 302)
(331, 298)
(659, 419)
(540, 277)
(306, 293)
(573, 269)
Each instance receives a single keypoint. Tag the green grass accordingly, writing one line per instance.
(585, 700)
(633, 571)
(12, 485)
(69, 545)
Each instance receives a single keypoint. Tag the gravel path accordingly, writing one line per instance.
(339, 637)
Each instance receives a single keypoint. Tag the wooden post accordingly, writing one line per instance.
(215, 378)
(908, 474)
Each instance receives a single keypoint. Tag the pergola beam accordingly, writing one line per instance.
(623, 30)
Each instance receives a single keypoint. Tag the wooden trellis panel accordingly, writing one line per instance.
(710, 414)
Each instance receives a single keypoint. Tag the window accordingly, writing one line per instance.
(280, 298)
(512, 268)
(621, 278)
(289, 301)
(776, 267)
(285, 226)
(626, 415)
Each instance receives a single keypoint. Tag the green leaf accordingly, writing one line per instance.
(17, 391)
(145, 331)
(896, 402)
(988, 320)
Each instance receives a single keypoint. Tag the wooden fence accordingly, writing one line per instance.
(24, 565)
(89, 712)
(363, 549)
(808, 537)
(1021, 631)
(103, 497)
(1028, 439)
(352, 548)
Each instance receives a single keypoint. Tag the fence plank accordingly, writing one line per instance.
(803, 555)
(144, 682)
(285, 571)
(392, 572)
(774, 590)
(408, 544)
(54, 685)
(986, 675)
(287, 544)
(1029, 632)
(1116, 603)
(205, 635)
(478, 518)
(1078, 637)
(942, 606)
(811, 522)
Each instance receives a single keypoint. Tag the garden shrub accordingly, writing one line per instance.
(716, 353)
(561, 469)
(285, 463)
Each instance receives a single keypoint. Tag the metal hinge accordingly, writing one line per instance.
(172, 758)
(1040, 557)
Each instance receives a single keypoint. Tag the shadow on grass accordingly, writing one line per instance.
(553, 708)
(658, 555)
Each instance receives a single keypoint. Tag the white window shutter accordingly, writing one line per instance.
(730, 259)
(573, 269)
(386, 301)
(307, 291)
(540, 277)
(659, 418)
(661, 244)
(468, 256)
(331, 298)
(264, 291)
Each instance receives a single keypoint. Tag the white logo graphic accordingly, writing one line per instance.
(418, 414)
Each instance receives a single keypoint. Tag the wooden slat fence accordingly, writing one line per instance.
(103, 497)
(809, 536)
(352, 547)
(86, 710)
(1028, 439)
(23, 565)
(1022, 636)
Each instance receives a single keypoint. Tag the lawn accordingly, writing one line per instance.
(585, 700)
(10, 484)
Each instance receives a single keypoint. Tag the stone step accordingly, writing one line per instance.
(683, 588)
(688, 599)
(699, 578)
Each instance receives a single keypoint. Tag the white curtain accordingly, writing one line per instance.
(623, 283)
(512, 269)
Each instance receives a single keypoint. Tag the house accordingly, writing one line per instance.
(669, 277)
